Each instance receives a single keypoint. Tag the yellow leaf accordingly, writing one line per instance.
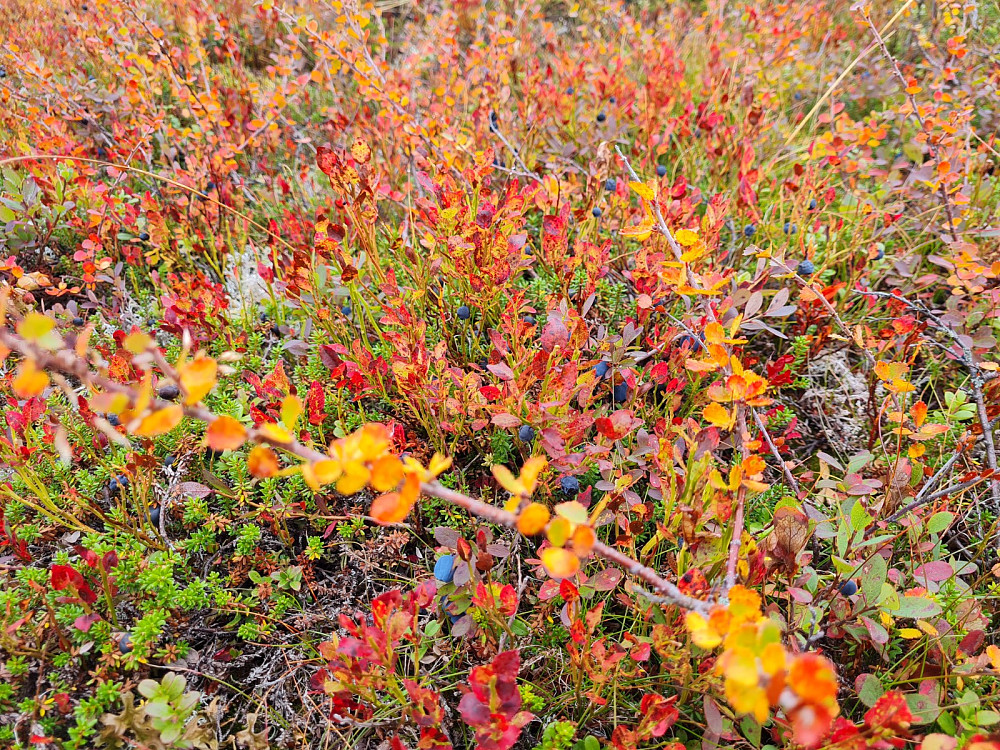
(909, 634)
(643, 190)
(160, 421)
(685, 237)
(573, 511)
(198, 378)
(559, 531)
(291, 409)
(718, 415)
(29, 381)
(137, 343)
(275, 432)
(35, 326)
(560, 563)
(532, 519)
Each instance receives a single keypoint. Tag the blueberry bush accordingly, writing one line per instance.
(542, 375)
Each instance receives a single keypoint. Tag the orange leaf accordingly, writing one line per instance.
(198, 378)
(387, 473)
(718, 415)
(560, 563)
(263, 462)
(160, 421)
(532, 519)
(29, 381)
(225, 434)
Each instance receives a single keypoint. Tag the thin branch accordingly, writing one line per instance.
(66, 362)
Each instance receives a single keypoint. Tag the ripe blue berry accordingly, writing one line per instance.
(464, 313)
(444, 569)
(812, 205)
(569, 485)
(790, 228)
(125, 643)
(601, 117)
(168, 460)
(749, 230)
(570, 90)
(661, 170)
(143, 236)
(78, 321)
(620, 394)
(805, 268)
(610, 184)
(880, 255)
(154, 516)
(113, 420)
(601, 370)
(613, 100)
(346, 310)
(529, 319)
(597, 212)
(169, 392)
(849, 588)
(113, 487)
(526, 433)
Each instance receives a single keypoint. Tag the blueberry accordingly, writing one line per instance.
(685, 340)
(613, 100)
(526, 433)
(798, 95)
(125, 643)
(849, 588)
(881, 254)
(790, 228)
(749, 230)
(601, 369)
(610, 184)
(529, 319)
(169, 392)
(154, 516)
(570, 90)
(661, 170)
(275, 330)
(812, 205)
(78, 321)
(494, 121)
(143, 236)
(464, 313)
(346, 310)
(444, 607)
(114, 420)
(113, 487)
(444, 569)
(122, 480)
(569, 485)
(597, 212)
(620, 394)
(601, 117)
(169, 460)
(805, 268)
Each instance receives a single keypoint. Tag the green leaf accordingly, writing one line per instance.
(987, 718)
(872, 580)
(940, 521)
(871, 689)
(859, 518)
(915, 607)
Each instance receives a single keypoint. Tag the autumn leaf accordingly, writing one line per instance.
(560, 563)
(160, 421)
(29, 380)
(225, 434)
(263, 462)
(532, 519)
(197, 377)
